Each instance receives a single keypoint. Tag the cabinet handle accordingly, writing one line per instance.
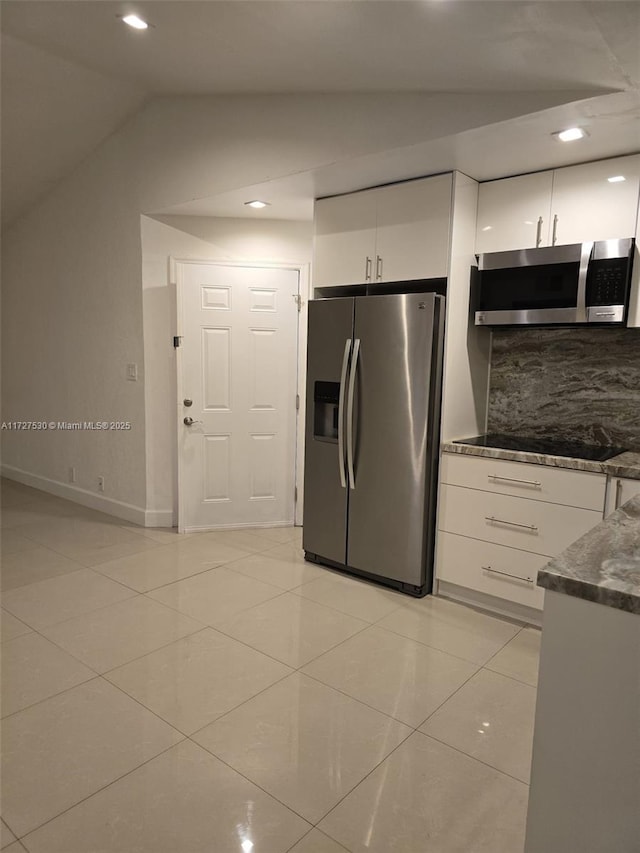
(554, 235)
(378, 268)
(535, 483)
(506, 574)
(539, 232)
(618, 493)
(493, 520)
(367, 269)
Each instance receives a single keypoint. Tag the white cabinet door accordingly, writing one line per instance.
(587, 206)
(535, 526)
(619, 491)
(582, 489)
(493, 569)
(344, 238)
(413, 222)
(513, 212)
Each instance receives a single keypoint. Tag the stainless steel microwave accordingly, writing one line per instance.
(578, 283)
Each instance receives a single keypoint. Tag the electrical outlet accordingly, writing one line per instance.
(101, 484)
(72, 474)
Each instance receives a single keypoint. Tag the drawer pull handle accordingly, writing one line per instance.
(506, 574)
(535, 483)
(493, 520)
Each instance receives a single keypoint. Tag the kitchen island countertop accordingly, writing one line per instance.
(602, 566)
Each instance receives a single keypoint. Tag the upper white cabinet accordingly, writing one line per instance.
(586, 205)
(514, 213)
(569, 205)
(412, 234)
(393, 233)
(344, 239)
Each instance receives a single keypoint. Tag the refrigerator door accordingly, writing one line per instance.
(325, 485)
(393, 443)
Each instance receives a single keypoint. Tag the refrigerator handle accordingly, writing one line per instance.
(352, 390)
(343, 383)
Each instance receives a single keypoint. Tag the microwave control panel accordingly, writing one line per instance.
(608, 281)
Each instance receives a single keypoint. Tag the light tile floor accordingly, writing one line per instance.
(214, 693)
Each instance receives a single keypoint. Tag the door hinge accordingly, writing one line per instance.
(295, 494)
(297, 402)
(298, 301)
(177, 341)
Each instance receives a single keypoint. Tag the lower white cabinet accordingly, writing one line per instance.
(529, 525)
(491, 569)
(499, 522)
(619, 491)
(524, 480)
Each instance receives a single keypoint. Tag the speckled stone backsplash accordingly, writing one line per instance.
(577, 383)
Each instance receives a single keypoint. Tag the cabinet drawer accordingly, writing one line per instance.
(542, 528)
(525, 480)
(493, 569)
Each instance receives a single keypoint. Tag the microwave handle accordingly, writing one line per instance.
(585, 257)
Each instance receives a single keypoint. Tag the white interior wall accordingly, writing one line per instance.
(72, 266)
(191, 237)
(71, 321)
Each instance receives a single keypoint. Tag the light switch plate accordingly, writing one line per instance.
(132, 372)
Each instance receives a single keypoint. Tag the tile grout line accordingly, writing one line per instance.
(77, 615)
(74, 559)
(437, 648)
(94, 677)
(99, 790)
(457, 690)
(473, 758)
(163, 585)
(364, 778)
(215, 720)
(254, 783)
(97, 672)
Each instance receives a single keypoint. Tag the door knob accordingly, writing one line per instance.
(190, 421)
(187, 402)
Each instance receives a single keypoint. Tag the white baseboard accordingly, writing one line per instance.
(264, 525)
(509, 609)
(110, 506)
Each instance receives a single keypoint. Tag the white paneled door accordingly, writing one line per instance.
(238, 367)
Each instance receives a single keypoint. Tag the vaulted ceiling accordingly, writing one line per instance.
(72, 73)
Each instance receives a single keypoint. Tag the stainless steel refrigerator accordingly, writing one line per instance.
(374, 375)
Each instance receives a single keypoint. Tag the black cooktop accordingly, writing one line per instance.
(549, 446)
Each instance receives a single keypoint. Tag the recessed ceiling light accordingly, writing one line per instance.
(616, 179)
(135, 22)
(257, 204)
(487, 228)
(570, 134)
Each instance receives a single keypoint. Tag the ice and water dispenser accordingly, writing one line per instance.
(325, 410)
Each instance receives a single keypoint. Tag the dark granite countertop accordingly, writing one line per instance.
(604, 564)
(625, 465)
